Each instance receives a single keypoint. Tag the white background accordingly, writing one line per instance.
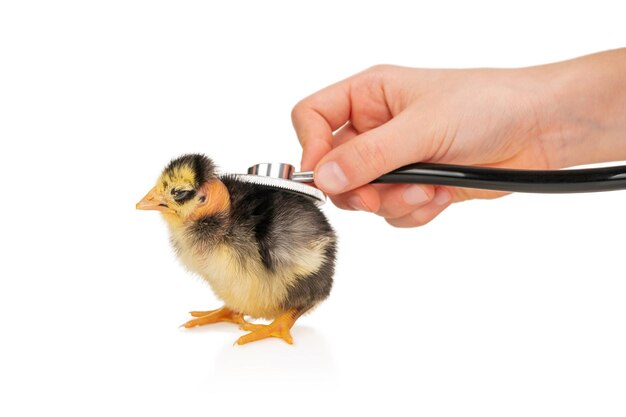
(512, 307)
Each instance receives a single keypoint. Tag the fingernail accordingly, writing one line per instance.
(414, 195)
(442, 197)
(355, 203)
(330, 178)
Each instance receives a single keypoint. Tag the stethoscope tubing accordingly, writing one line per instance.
(585, 180)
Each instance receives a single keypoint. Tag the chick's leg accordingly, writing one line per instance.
(278, 328)
(214, 316)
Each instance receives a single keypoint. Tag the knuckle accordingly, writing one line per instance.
(297, 110)
(380, 68)
(399, 223)
(340, 202)
(421, 218)
(374, 76)
(391, 210)
(371, 154)
(391, 222)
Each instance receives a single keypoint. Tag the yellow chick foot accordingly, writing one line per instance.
(214, 316)
(278, 328)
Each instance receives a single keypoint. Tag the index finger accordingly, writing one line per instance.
(316, 117)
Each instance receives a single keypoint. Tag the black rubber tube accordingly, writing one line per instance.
(513, 180)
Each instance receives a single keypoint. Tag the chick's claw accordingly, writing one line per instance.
(251, 327)
(264, 333)
(214, 316)
(278, 328)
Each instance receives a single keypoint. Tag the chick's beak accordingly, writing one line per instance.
(153, 201)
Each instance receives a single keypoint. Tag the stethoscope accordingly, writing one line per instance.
(612, 178)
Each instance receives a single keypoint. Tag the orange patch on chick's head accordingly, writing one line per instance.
(187, 190)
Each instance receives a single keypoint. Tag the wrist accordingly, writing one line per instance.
(585, 109)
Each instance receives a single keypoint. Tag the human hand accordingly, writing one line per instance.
(386, 117)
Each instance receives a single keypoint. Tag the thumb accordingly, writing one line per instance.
(371, 154)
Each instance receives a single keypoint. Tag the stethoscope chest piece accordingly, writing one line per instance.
(273, 170)
(281, 176)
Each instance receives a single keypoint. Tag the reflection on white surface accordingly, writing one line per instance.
(309, 358)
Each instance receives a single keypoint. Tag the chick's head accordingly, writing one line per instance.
(186, 190)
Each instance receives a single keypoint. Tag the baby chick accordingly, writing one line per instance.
(266, 252)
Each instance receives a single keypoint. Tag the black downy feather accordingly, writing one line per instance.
(270, 224)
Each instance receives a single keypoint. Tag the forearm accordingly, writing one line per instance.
(585, 119)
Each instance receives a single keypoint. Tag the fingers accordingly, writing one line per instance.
(316, 118)
(425, 213)
(366, 198)
(361, 99)
(425, 202)
(407, 205)
(402, 199)
(386, 200)
(371, 154)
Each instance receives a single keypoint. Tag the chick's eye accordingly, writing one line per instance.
(180, 196)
